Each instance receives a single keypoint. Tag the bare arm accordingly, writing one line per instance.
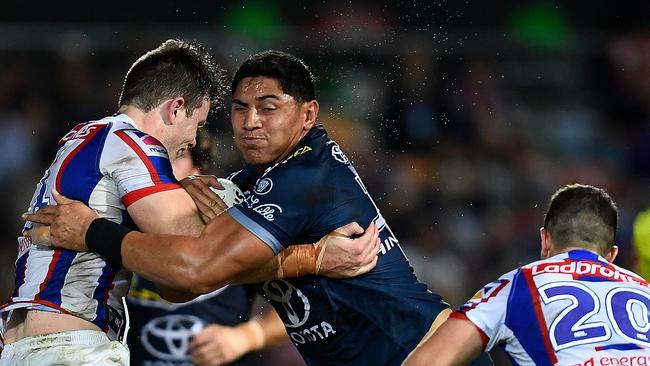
(176, 213)
(200, 264)
(228, 253)
(335, 255)
(148, 253)
(167, 212)
(218, 344)
(224, 251)
(456, 342)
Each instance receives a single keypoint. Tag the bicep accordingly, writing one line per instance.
(167, 212)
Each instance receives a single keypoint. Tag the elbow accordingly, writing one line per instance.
(198, 280)
(175, 296)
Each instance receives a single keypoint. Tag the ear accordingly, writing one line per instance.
(311, 114)
(546, 243)
(613, 252)
(172, 109)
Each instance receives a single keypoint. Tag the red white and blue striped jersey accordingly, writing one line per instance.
(574, 308)
(107, 164)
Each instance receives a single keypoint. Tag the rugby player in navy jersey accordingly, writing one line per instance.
(299, 186)
(66, 308)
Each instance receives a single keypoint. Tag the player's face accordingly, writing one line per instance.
(184, 133)
(266, 122)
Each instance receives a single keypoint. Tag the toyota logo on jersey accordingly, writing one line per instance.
(168, 337)
(294, 302)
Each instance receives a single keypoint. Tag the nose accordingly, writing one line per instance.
(251, 120)
(192, 143)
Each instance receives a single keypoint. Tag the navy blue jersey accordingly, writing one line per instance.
(161, 331)
(373, 319)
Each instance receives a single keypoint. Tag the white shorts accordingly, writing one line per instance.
(74, 348)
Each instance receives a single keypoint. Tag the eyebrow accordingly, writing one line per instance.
(260, 98)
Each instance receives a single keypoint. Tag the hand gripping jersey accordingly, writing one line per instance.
(574, 308)
(373, 319)
(161, 332)
(108, 165)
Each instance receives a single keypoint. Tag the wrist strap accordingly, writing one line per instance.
(254, 334)
(104, 237)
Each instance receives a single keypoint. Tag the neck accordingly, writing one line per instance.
(148, 122)
(141, 118)
(568, 249)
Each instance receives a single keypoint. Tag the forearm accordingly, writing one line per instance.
(455, 342)
(295, 261)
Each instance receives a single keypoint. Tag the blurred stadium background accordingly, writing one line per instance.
(461, 117)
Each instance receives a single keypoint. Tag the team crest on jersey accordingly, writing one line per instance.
(264, 186)
(338, 154)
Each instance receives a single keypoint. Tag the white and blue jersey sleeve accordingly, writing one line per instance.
(138, 164)
(487, 311)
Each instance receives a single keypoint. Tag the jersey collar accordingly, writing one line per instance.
(122, 117)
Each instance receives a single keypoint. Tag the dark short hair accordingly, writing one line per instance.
(291, 72)
(582, 215)
(175, 68)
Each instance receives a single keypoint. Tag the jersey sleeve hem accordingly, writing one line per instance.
(484, 338)
(257, 230)
(133, 196)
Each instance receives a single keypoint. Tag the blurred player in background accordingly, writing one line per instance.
(573, 307)
(641, 242)
(214, 326)
(299, 185)
(67, 307)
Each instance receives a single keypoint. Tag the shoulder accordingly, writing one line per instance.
(299, 168)
(88, 130)
(318, 159)
(127, 140)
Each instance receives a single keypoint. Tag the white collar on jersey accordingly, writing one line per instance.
(122, 117)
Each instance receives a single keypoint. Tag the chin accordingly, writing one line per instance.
(255, 159)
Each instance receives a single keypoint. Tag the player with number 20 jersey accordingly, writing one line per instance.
(574, 308)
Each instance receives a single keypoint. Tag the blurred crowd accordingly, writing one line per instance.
(460, 133)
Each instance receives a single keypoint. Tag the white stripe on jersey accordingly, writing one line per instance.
(36, 271)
